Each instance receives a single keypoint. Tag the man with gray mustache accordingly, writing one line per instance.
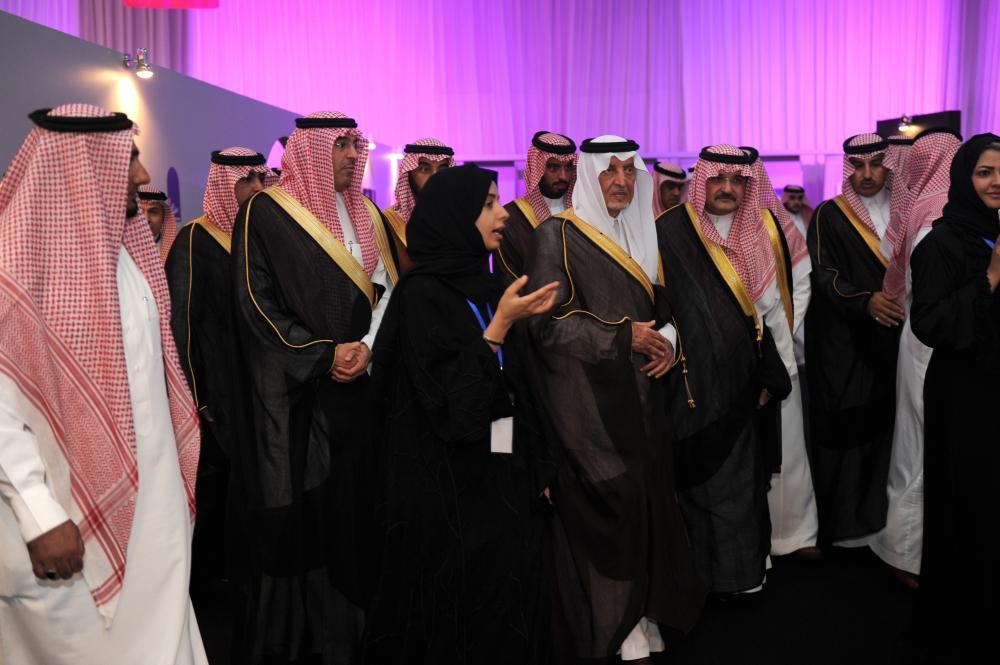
(723, 277)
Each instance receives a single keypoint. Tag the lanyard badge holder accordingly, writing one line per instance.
(502, 429)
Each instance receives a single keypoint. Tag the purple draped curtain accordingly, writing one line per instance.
(790, 76)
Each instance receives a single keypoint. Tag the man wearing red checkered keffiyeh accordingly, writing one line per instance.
(422, 159)
(669, 186)
(726, 266)
(900, 544)
(549, 178)
(852, 333)
(793, 198)
(158, 212)
(899, 150)
(313, 272)
(98, 433)
(199, 274)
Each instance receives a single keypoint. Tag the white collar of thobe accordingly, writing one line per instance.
(723, 223)
(880, 200)
(555, 205)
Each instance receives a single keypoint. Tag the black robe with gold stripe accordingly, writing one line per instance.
(301, 472)
(201, 318)
(721, 438)
(518, 244)
(396, 228)
(621, 552)
(851, 362)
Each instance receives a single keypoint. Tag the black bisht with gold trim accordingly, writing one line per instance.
(302, 472)
(621, 551)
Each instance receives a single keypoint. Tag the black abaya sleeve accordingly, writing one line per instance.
(455, 374)
(950, 307)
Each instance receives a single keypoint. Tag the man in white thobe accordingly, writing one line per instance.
(98, 432)
(792, 499)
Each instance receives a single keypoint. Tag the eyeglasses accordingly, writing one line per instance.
(342, 143)
(735, 180)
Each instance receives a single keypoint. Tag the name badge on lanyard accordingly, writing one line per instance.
(502, 429)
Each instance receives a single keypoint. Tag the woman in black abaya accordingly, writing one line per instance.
(956, 311)
(463, 520)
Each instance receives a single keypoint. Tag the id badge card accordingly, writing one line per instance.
(502, 436)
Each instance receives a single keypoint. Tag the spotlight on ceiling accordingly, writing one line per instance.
(904, 123)
(142, 67)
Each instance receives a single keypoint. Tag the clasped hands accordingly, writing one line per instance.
(350, 359)
(885, 310)
(654, 346)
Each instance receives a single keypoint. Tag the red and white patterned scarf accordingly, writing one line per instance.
(219, 202)
(899, 148)
(61, 331)
(534, 171)
(748, 246)
(307, 174)
(667, 172)
(405, 197)
(769, 199)
(894, 182)
(168, 231)
(929, 180)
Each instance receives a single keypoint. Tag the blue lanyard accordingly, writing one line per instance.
(482, 324)
(990, 243)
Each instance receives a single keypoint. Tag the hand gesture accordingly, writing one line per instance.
(514, 307)
(993, 271)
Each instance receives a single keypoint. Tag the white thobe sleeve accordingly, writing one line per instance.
(670, 333)
(380, 276)
(771, 312)
(801, 291)
(22, 472)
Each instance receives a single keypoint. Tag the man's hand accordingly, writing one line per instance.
(647, 341)
(658, 367)
(351, 360)
(885, 310)
(764, 398)
(58, 551)
(654, 346)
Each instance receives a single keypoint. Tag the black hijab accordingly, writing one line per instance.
(442, 238)
(964, 206)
